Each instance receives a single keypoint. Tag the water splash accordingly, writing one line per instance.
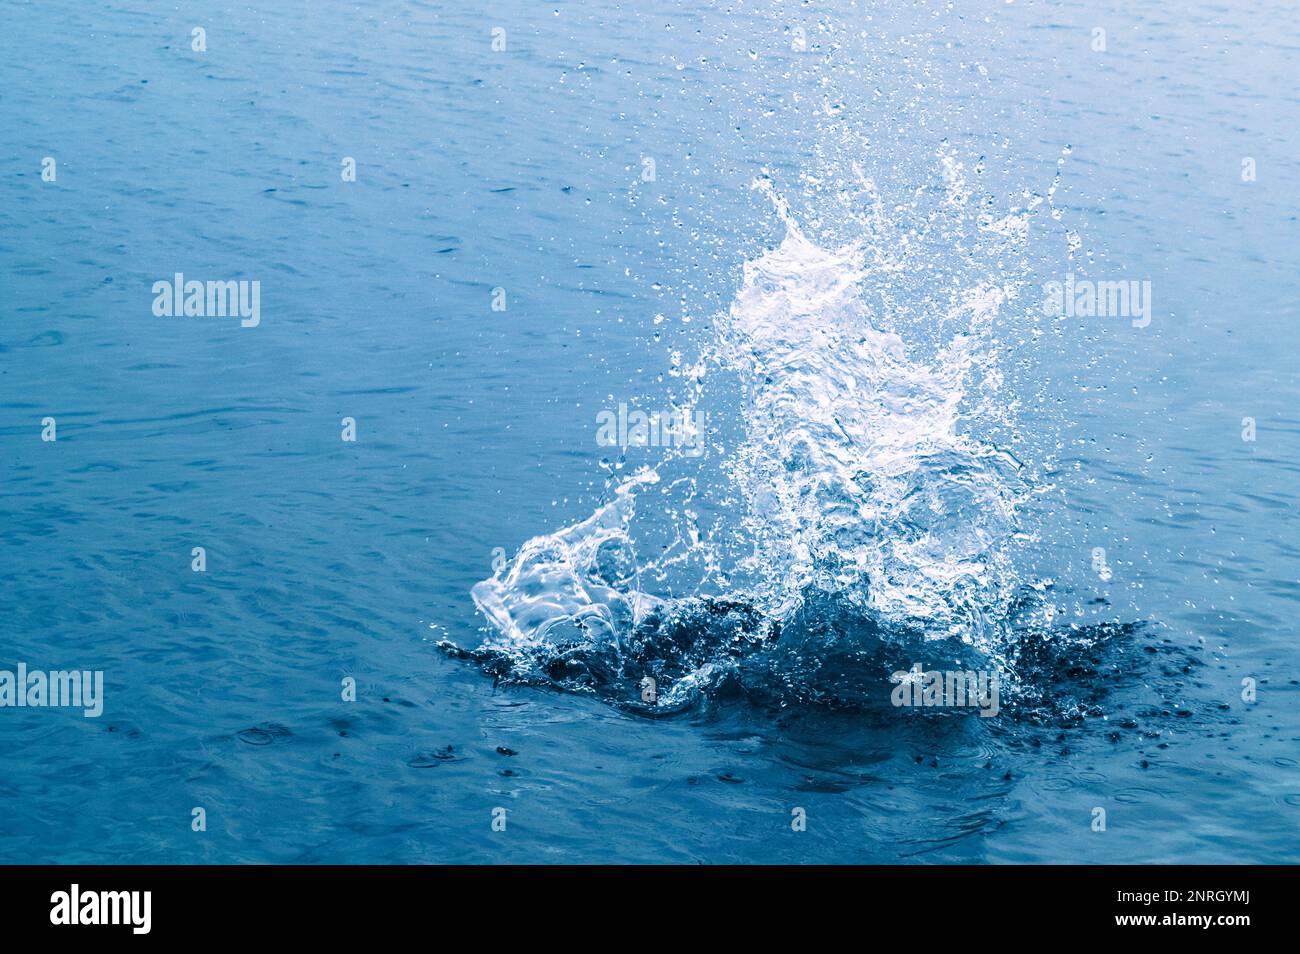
(859, 465)
(872, 499)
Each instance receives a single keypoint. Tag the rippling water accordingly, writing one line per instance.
(823, 230)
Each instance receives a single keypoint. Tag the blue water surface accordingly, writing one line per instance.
(524, 169)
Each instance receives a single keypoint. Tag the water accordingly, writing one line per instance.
(837, 258)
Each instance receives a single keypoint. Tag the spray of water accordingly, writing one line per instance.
(866, 479)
